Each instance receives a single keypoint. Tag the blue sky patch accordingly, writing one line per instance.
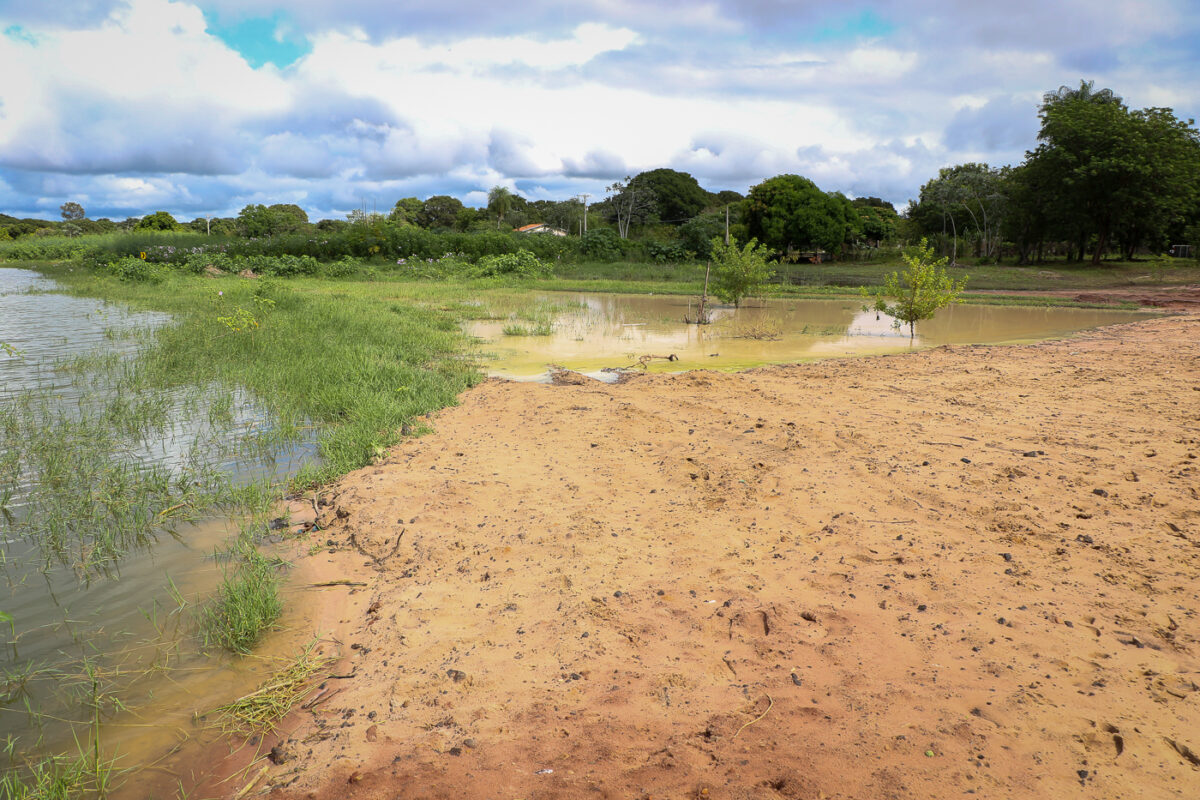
(864, 25)
(261, 40)
(22, 35)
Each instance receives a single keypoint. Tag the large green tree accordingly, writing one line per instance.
(678, 196)
(439, 211)
(158, 221)
(789, 211)
(500, 202)
(1114, 173)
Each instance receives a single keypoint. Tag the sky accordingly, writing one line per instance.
(201, 107)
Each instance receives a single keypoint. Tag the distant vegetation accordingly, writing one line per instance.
(1103, 180)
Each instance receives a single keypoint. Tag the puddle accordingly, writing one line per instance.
(606, 331)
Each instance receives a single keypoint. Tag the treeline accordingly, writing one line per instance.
(1103, 179)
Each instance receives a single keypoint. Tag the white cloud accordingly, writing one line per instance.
(145, 107)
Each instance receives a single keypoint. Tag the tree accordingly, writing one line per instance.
(920, 290)
(406, 210)
(738, 272)
(876, 219)
(628, 203)
(257, 220)
(1114, 175)
(678, 196)
(500, 202)
(287, 218)
(698, 232)
(72, 211)
(789, 211)
(439, 211)
(158, 221)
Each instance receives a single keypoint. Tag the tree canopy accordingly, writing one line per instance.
(158, 221)
(678, 196)
(789, 211)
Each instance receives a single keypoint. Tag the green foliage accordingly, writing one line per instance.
(137, 270)
(521, 264)
(72, 211)
(739, 272)
(500, 202)
(918, 292)
(257, 220)
(601, 244)
(678, 196)
(697, 233)
(789, 211)
(670, 252)
(246, 605)
(439, 212)
(158, 221)
(405, 211)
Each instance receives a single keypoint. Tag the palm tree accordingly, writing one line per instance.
(1084, 93)
(500, 201)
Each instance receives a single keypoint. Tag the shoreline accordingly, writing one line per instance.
(784, 582)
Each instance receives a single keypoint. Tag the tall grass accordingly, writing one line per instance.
(356, 363)
(245, 606)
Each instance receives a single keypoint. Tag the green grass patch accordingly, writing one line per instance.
(246, 605)
(356, 359)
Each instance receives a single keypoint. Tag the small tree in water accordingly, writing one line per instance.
(920, 290)
(739, 271)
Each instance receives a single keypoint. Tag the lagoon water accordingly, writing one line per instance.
(606, 331)
(123, 622)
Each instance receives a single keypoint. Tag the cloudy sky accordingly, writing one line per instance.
(202, 106)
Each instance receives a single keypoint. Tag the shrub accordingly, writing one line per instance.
(137, 270)
(602, 244)
(738, 272)
(521, 264)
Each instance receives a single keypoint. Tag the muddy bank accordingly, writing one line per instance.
(1173, 298)
(966, 570)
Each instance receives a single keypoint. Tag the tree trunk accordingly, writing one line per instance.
(1101, 240)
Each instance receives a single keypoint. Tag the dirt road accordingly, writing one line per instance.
(972, 570)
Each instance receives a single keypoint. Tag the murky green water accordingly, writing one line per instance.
(606, 331)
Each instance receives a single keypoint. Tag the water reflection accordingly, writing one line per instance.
(605, 331)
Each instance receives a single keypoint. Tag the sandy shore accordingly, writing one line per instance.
(972, 570)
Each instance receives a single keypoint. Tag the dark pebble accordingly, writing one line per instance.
(921, 607)
(1099, 492)
(965, 460)
(1006, 556)
(1030, 453)
(456, 751)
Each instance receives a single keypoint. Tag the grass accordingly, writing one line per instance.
(245, 606)
(59, 778)
(344, 356)
(259, 711)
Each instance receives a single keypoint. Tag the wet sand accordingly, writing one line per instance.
(969, 570)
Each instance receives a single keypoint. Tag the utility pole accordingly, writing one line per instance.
(585, 197)
(727, 224)
(208, 224)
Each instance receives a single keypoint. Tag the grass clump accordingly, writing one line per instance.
(261, 710)
(245, 606)
(58, 778)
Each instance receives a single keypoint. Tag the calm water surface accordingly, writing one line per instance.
(127, 621)
(605, 331)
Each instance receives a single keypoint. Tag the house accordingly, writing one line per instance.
(541, 227)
